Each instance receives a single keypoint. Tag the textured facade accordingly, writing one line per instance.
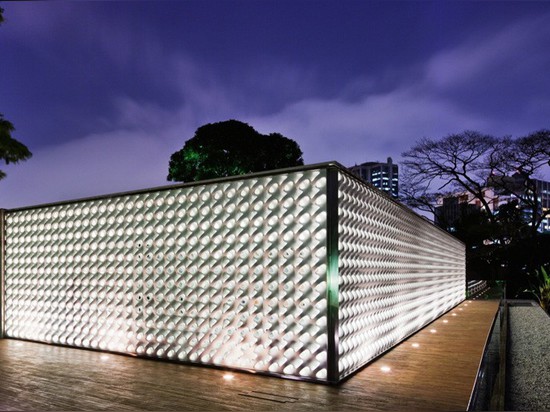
(305, 273)
(396, 273)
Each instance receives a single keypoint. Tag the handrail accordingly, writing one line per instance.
(489, 391)
(498, 397)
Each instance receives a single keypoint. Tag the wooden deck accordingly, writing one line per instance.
(433, 369)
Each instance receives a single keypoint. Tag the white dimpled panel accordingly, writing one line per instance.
(397, 273)
(230, 274)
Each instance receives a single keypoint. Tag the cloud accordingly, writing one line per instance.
(136, 115)
(133, 155)
(32, 19)
(373, 128)
(519, 47)
(457, 89)
(361, 123)
(90, 166)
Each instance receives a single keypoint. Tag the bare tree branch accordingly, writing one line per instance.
(470, 162)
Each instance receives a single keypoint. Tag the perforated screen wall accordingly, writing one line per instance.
(228, 274)
(307, 273)
(396, 271)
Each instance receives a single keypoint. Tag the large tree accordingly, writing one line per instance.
(231, 148)
(513, 166)
(435, 168)
(471, 163)
(501, 239)
(11, 151)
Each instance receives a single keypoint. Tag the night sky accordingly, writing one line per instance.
(103, 92)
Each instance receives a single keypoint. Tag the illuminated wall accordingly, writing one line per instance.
(305, 273)
(396, 273)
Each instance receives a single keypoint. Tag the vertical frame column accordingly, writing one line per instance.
(333, 374)
(2, 271)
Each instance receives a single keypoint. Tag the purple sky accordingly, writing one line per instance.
(104, 92)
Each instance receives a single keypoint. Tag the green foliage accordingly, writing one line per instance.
(540, 288)
(11, 150)
(231, 148)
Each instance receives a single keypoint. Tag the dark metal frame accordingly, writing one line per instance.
(333, 373)
(276, 172)
(334, 165)
(2, 271)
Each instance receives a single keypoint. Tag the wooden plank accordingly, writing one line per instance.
(437, 373)
(435, 370)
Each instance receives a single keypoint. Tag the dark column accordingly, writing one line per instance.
(332, 274)
(2, 270)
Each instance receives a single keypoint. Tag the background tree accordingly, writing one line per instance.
(471, 162)
(456, 163)
(513, 167)
(231, 148)
(11, 151)
(501, 241)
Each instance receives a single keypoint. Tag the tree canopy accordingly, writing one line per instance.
(11, 150)
(471, 162)
(502, 211)
(231, 148)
